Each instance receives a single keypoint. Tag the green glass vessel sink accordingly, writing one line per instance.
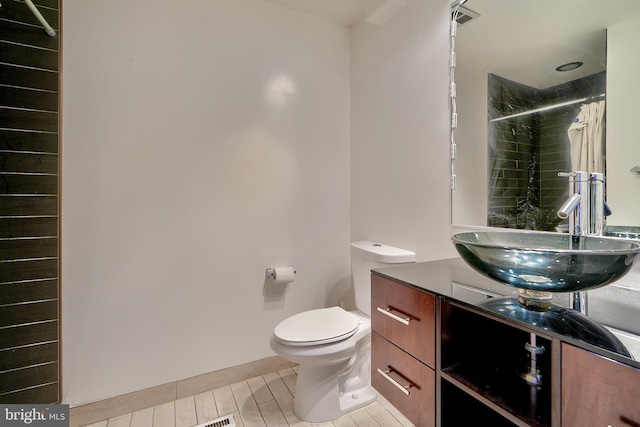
(540, 262)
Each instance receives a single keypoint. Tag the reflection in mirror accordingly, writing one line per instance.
(522, 118)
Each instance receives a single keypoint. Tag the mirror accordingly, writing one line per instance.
(514, 48)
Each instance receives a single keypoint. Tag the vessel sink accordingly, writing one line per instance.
(547, 262)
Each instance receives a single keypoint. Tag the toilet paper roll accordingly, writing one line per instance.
(284, 274)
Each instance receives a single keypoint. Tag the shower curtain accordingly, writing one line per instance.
(586, 135)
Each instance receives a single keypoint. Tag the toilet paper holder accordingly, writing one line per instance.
(270, 273)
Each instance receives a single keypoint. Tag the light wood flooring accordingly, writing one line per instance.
(264, 401)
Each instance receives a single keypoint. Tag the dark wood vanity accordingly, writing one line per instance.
(403, 359)
(442, 358)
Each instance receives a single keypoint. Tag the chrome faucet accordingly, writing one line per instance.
(585, 209)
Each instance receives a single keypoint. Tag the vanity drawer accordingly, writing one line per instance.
(392, 371)
(597, 391)
(404, 316)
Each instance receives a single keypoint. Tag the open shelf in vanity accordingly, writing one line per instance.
(485, 359)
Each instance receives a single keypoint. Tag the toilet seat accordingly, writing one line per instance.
(316, 327)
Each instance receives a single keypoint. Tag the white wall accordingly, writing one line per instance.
(203, 142)
(623, 150)
(399, 130)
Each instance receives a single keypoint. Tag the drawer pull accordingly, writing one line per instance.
(402, 388)
(387, 311)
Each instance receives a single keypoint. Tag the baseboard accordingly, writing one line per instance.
(108, 408)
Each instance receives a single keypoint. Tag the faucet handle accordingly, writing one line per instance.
(566, 174)
(577, 176)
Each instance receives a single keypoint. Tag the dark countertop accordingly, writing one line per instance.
(453, 279)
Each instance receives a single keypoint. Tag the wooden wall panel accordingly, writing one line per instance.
(16, 227)
(28, 334)
(28, 141)
(28, 98)
(33, 355)
(29, 177)
(16, 293)
(28, 56)
(29, 205)
(28, 77)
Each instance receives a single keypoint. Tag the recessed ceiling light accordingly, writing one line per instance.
(569, 66)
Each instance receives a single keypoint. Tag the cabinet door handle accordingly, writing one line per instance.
(402, 388)
(387, 311)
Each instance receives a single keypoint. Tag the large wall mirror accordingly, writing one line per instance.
(530, 76)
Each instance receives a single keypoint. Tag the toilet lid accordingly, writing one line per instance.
(316, 327)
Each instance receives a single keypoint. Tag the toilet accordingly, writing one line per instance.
(332, 346)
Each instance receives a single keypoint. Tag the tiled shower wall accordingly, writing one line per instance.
(29, 334)
(526, 153)
(513, 153)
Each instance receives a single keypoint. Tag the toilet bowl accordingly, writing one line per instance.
(333, 346)
(334, 375)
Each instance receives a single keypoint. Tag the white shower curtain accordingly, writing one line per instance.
(586, 135)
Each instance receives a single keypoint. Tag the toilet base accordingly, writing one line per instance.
(324, 393)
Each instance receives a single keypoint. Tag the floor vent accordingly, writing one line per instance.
(227, 421)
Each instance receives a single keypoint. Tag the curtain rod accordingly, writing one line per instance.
(40, 18)
(548, 107)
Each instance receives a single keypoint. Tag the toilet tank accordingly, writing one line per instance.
(367, 255)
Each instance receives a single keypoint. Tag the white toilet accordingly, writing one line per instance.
(333, 346)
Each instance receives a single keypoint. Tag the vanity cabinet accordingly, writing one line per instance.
(597, 391)
(403, 348)
(449, 359)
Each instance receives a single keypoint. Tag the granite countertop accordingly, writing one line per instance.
(455, 280)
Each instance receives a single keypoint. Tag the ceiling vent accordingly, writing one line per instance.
(464, 15)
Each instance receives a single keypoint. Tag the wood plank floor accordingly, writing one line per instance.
(264, 401)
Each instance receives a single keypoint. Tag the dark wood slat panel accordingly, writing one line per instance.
(31, 120)
(48, 4)
(28, 141)
(28, 205)
(28, 184)
(28, 248)
(28, 270)
(46, 394)
(26, 98)
(18, 11)
(27, 34)
(11, 53)
(28, 377)
(51, 4)
(28, 334)
(13, 293)
(28, 313)
(29, 305)
(28, 162)
(27, 77)
(26, 356)
(28, 227)
(21, 357)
